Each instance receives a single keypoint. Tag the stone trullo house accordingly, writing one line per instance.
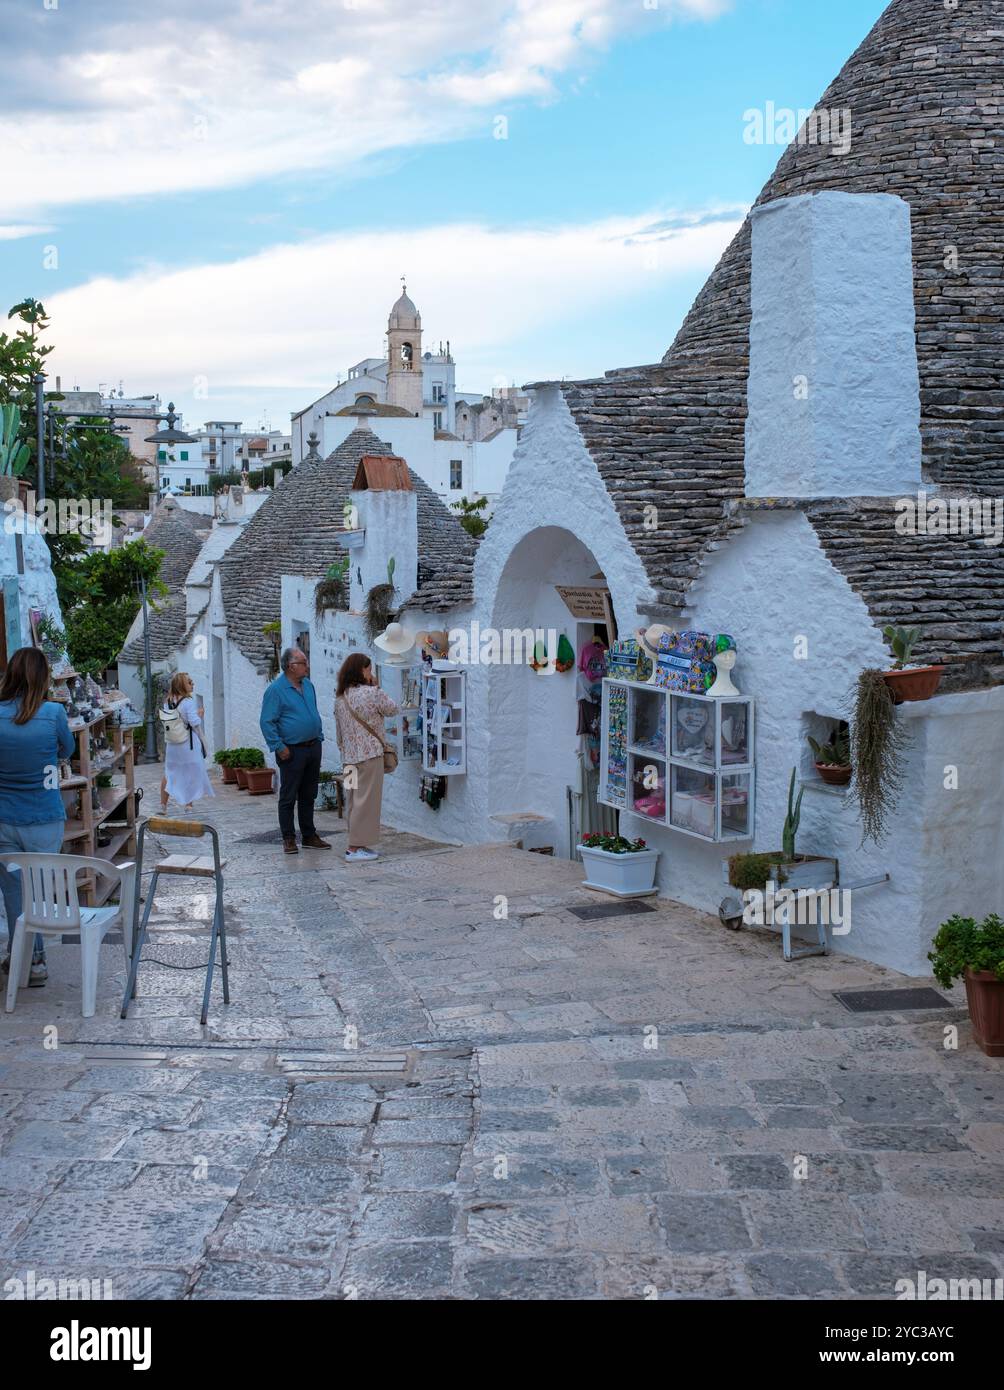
(775, 507)
(847, 352)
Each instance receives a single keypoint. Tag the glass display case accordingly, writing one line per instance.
(680, 760)
(403, 731)
(444, 722)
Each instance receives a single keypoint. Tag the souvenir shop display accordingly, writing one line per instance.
(629, 661)
(403, 731)
(444, 715)
(680, 759)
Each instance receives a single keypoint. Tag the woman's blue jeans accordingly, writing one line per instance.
(25, 839)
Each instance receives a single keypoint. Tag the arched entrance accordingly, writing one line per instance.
(536, 755)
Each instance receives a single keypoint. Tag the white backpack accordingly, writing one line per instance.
(174, 728)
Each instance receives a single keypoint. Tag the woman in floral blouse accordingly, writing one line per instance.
(360, 709)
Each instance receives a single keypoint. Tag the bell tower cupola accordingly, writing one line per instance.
(404, 355)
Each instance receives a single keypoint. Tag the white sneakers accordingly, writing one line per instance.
(352, 854)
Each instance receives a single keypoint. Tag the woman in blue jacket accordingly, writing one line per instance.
(34, 736)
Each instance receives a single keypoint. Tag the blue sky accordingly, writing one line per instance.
(180, 262)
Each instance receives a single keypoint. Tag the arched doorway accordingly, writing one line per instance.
(536, 755)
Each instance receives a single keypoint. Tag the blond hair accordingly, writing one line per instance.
(181, 686)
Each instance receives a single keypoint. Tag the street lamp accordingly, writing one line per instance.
(166, 438)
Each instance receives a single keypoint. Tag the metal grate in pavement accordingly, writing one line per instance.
(343, 1065)
(631, 907)
(885, 1001)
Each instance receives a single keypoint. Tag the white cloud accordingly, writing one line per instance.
(14, 232)
(292, 318)
(151, 98)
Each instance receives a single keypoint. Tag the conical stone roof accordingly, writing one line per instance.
(926, 95)
(295, 532)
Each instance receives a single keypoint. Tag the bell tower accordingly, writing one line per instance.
(404, 355)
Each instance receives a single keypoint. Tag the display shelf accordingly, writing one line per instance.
(84, 818)
(403, 731)
(677, 759)
(444, 716)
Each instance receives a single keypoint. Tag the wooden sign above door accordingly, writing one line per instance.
(587, 604)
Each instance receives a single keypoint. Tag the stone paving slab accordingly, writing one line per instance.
(411, 1099)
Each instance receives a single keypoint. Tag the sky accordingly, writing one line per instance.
(217, 202)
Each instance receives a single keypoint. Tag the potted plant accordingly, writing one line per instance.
(974, 951)
(327, 792)
(833, 758)
(53, 639)
(878, 742)
(620, 867)
(330, 591)
(14, 453)
(240, 766)
(259, 777)
(907, 682)
(223, 758)
(784, 866)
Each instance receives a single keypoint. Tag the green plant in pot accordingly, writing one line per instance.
(14, 453)
(331, 591)
(784, 866)
(241, 765)
(224, 759)
(833, 758)
(974, 951)
(908, 682)
(380, 608)
(878, 745)
(259, 778)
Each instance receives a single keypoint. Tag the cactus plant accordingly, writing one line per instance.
(391, 564)
(14, 453)
(902, 641)
(791, 820)
(836, 751)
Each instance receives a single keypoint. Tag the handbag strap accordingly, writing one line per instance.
(360, 720)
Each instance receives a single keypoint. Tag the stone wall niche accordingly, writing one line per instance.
(834, 390)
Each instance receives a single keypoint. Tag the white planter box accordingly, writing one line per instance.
(622, 875)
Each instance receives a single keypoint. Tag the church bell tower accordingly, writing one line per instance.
(404, 355)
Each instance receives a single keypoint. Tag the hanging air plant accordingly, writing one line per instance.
(330, 591)
(878, 743)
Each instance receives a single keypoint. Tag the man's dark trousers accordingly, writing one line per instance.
(298, 783)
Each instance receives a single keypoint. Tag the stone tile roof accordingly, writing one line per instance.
(180, 534)
(294, 533)
(925, 90)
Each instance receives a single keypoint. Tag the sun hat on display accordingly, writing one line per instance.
(648, 638)
(394, 639)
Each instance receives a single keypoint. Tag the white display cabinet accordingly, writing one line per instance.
(679, 760)
(444, 715)
(403, 731)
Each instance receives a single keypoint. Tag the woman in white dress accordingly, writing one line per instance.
(185, 777)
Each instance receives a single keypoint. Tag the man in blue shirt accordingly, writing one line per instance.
(292, 729)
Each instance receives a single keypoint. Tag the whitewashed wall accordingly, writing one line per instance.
(36, 586)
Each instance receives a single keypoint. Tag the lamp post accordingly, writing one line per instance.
(166, 438)
(150, 751)
(38, 381)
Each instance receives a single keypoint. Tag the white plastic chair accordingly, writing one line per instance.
(51, 907)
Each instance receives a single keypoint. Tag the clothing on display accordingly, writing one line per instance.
(593, 660)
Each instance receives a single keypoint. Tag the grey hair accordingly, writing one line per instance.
(287, 657)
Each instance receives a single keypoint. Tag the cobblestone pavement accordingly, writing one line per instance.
(435, 1081)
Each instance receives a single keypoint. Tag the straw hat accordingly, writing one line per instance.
(648, 638)
(395, 639)
(435, 643)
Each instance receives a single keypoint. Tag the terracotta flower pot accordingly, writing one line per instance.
(918, 684)
(834, 775)
(985, 996)
(241, 773)
(229, 774)
(259, 780)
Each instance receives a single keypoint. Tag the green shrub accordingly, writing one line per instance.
(963, 943)
(754, 870)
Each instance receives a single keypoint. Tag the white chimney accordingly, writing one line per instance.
(387, 511)
(834, 390)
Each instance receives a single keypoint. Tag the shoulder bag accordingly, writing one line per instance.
(389, 754)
